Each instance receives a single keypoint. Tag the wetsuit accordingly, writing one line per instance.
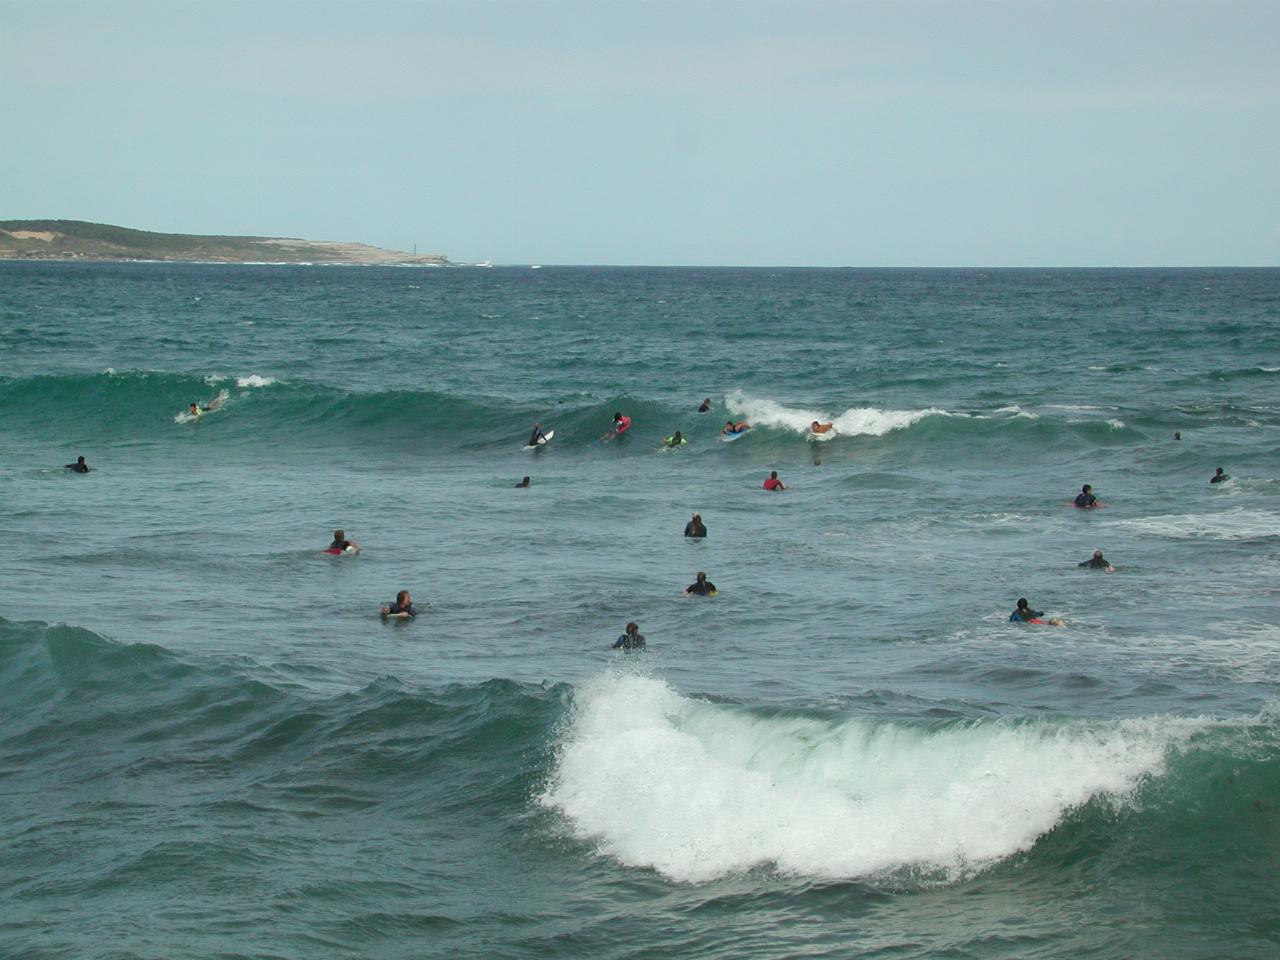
(537, 435)
(1095, 563)
(1026, 616)
(340, 545)
(704, 589)
(1218, 478)
(78, 467)
(628, 641)
(394, 609)
(1085, 500)
(690, 530)
(706, 407)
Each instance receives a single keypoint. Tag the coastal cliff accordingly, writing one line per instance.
(78, 240)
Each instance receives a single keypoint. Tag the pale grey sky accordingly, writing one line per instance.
(915, 132)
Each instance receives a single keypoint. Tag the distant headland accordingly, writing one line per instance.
(78, 240)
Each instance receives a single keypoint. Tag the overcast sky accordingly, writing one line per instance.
(910, 132)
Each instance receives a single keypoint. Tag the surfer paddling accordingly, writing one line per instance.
(620, 426)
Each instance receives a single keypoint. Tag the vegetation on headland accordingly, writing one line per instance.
(78, 240)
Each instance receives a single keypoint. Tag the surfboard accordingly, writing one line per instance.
(542, 441)
(730, 437)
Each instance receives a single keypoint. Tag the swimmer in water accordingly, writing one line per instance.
(706, 406)
(523, 484)
(1216, 478)
(1085, 498)
(695, 528)
(732, 426)
(78, 467)
(701, 587)
(631, 638)
(773, 483)
(621, 425)
(1023, 613)
(199, 410)
(817, 427)
(674, 440)
(402, 609)
(341, 543)
(1097, 562)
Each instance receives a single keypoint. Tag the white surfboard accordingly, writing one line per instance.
(542, 441)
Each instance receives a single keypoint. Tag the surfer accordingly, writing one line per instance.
(78, 467)
(199, 410)
(773, 483)
(817, 427)
(695, 528)
(1097, 562)
(1177, 434)
(701, 587)
(621, 425)
(1216, 478)
(341, 544)
(402, 609)
(731, 427)
(523, 484)
(631, 638)
(1085, 498)
(675, 440)
(538, 436)
(706, 406)
(1024, 614)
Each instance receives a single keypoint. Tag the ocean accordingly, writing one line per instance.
(212, 746)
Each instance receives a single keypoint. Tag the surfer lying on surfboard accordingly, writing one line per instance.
(817, 427)
(1023, 613)
(731, 427)
(199, 410)
(341, 544)
(621, 425)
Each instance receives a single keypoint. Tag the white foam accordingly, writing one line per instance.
(697, 790)
(1017, 411)
(1228, 525)
(854, 421)
(253, 380)
(1115, 424)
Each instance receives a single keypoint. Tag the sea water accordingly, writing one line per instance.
(212, 746)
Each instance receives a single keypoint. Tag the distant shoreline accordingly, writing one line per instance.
(77, 240)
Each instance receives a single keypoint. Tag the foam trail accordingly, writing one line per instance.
(855, 421)
(697, 790)
(1228, 525)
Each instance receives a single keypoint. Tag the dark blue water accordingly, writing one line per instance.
(211, 745)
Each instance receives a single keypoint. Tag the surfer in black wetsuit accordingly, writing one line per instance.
(1023, 613)
(78, 467)
(701, 587)
(695, 527)
(706, 406)
(537, 434)
(199, 410)
(1216, 478)
(340, 542)
(524, 482)
(1085, 498)
(402, 608)
(1097, 562)
(631, 639)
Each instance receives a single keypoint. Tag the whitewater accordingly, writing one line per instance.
(212, 746)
